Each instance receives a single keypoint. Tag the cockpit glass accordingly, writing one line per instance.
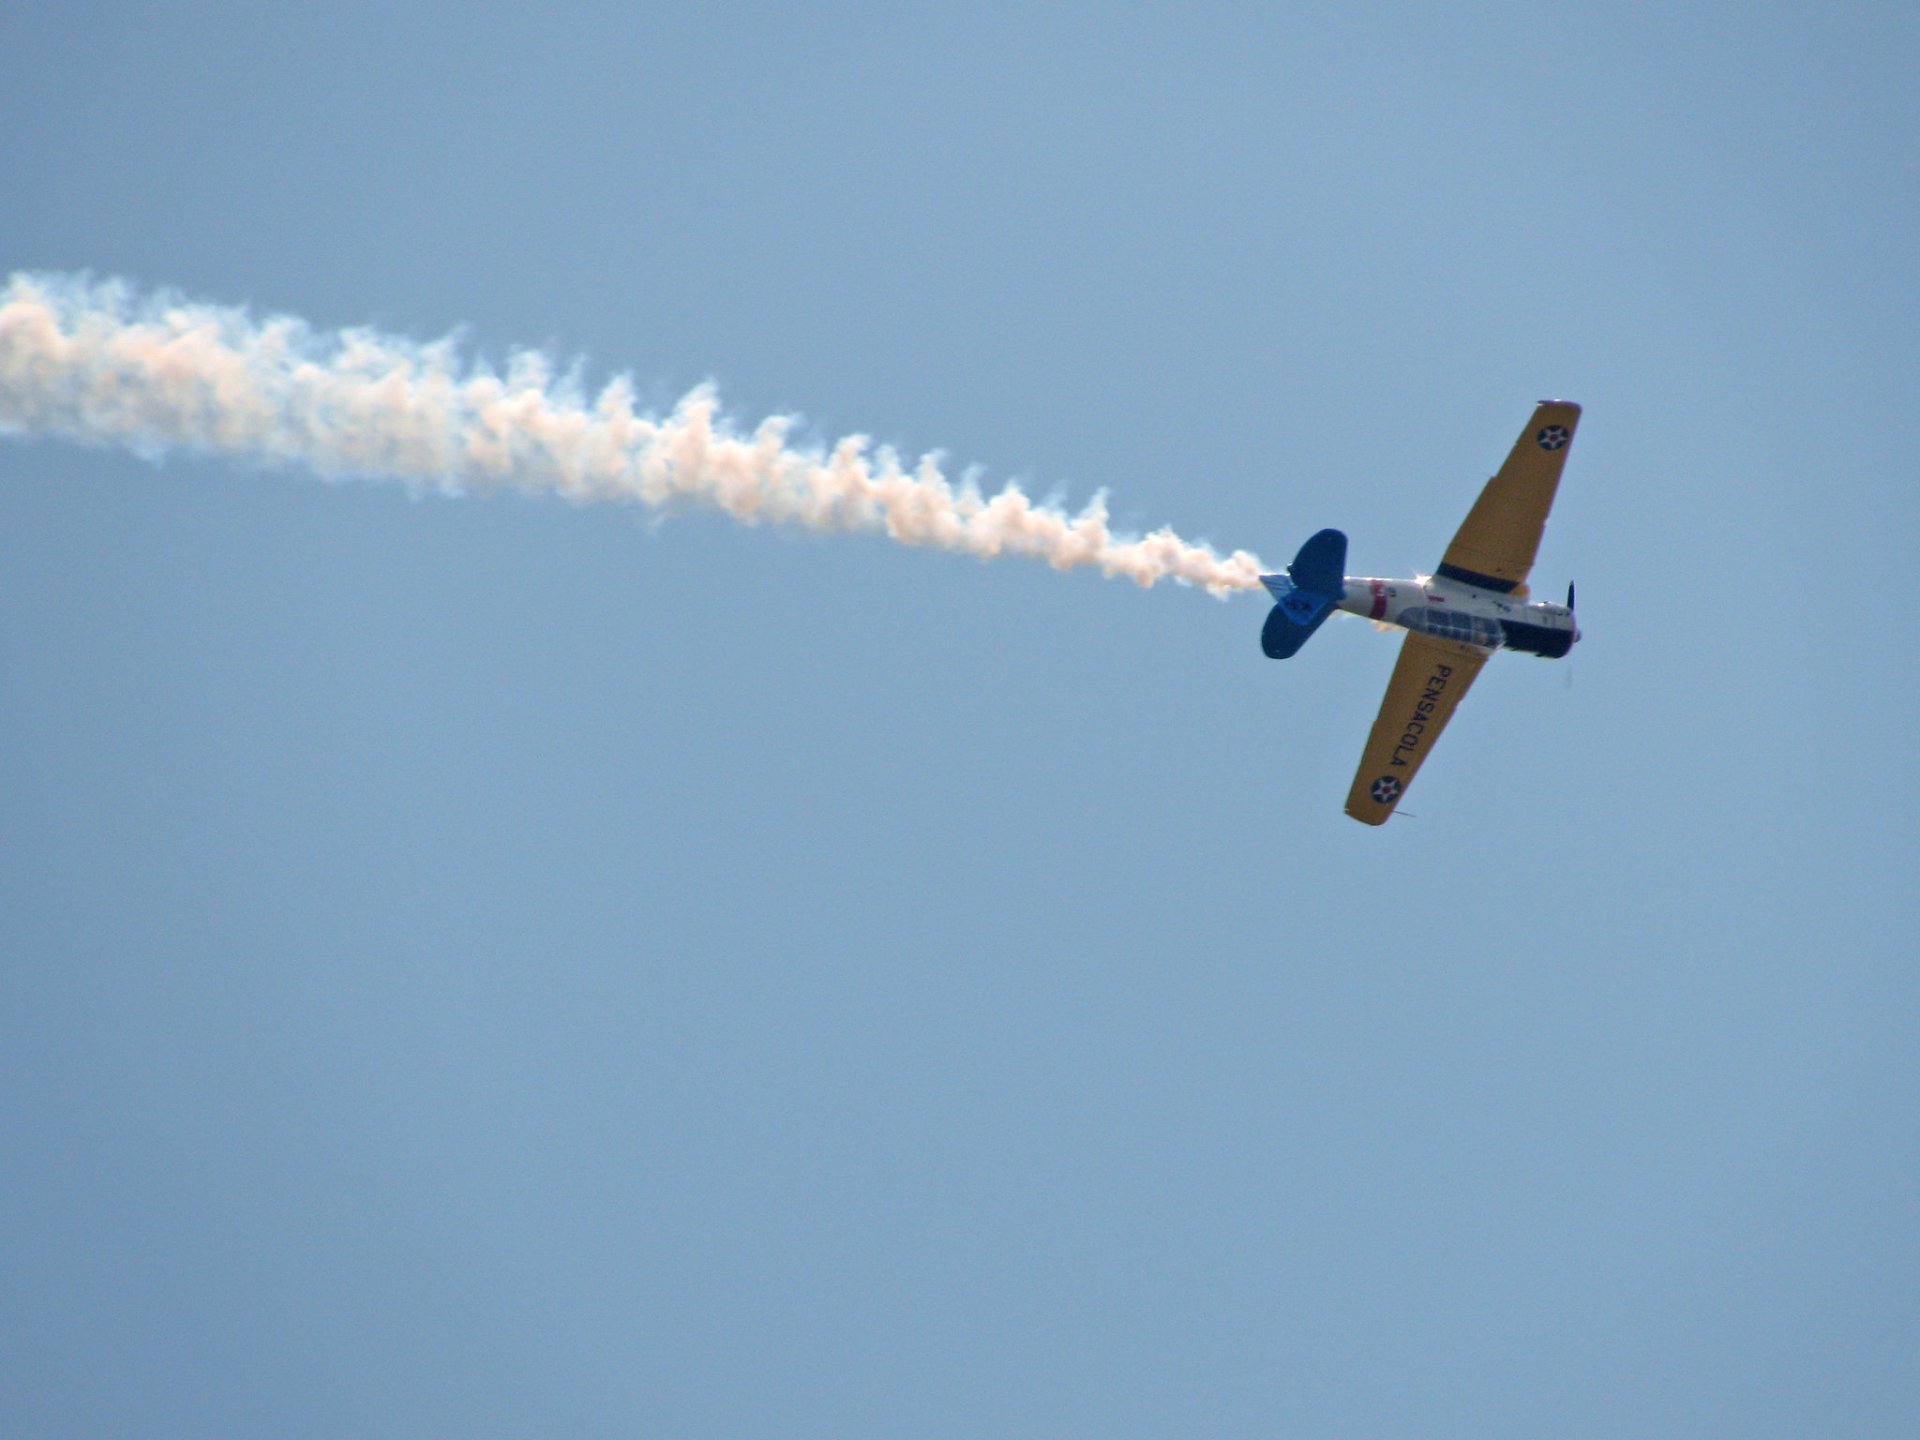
(1453, 625)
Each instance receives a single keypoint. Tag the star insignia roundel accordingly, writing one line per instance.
(1386, 789)
(1553, 437)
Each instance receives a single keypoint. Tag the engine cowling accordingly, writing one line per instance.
(1547, 635)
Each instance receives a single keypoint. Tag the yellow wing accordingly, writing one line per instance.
(1428, 680)
(1494, 548)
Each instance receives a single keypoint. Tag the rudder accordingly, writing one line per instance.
(1321, 565)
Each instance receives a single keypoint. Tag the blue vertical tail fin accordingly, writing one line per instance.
(1305, 595)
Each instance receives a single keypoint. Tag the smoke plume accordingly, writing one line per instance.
(94, 361)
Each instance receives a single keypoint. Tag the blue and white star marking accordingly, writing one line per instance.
(1553, 437)
(1386, 789)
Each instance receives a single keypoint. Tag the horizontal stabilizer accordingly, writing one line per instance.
(1306, 594)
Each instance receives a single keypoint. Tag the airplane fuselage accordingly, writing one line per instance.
(1473, 605)
(1489, 619)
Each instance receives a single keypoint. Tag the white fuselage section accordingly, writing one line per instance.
(1451, 610)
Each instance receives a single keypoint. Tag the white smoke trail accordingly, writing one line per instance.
(93, 361)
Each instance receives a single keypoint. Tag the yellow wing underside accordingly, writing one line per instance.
(1428, 680)
(1495, 545)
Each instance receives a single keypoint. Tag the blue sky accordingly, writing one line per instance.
(491, 967)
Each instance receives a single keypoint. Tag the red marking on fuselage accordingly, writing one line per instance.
(1379, 598)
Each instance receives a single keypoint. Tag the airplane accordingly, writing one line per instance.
(1474, 604)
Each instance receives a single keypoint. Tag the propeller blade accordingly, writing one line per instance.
(1569, 595)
